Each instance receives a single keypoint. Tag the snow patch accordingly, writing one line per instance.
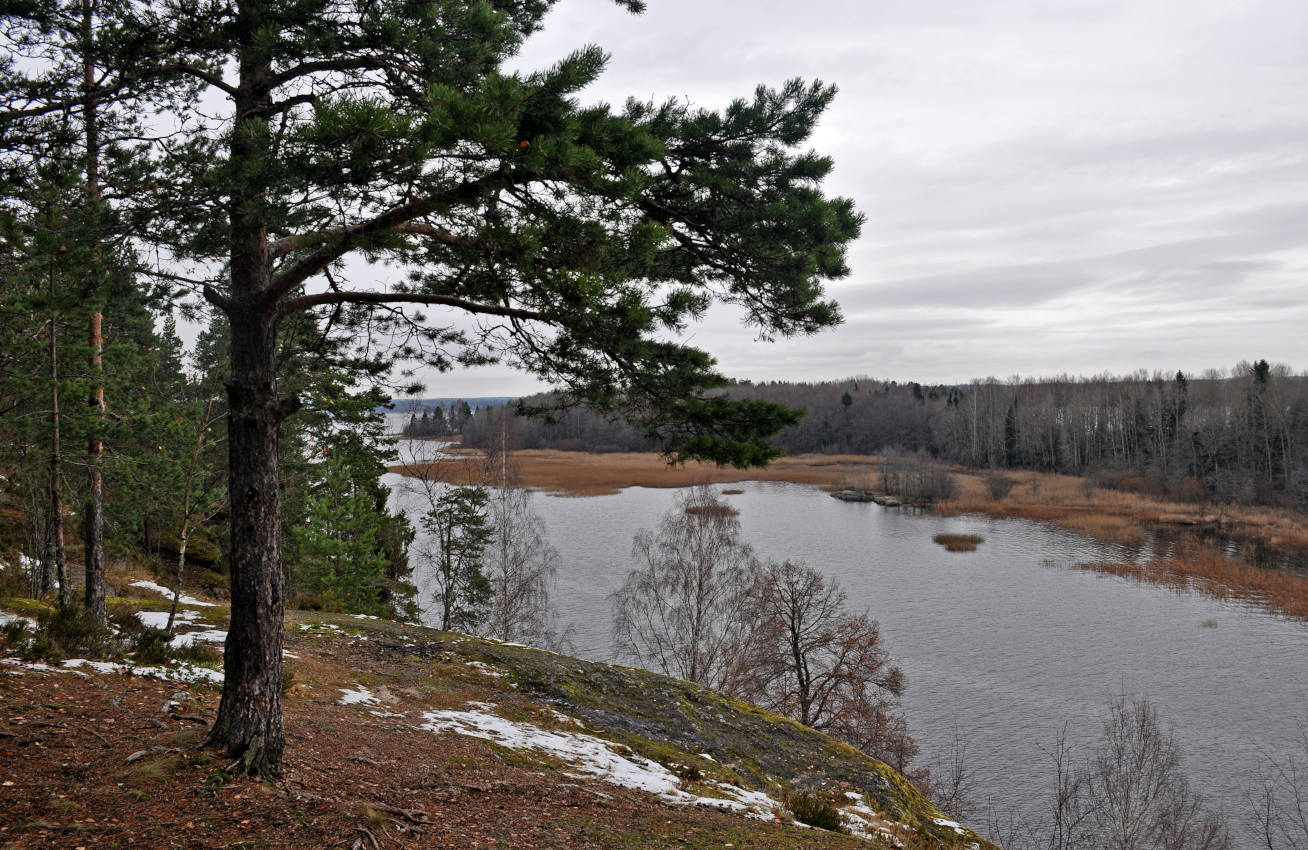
(862, 820)
(207, 635)
(35, 665)
(946, 822)
(486, 669)
(180, 673)
(6, 618)
(182, 600)
(159, 619)
(595, 757)
(362, 696)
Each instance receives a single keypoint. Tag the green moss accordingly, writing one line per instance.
(26, 607)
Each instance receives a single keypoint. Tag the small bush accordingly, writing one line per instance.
(1190, 490)
(308, 602)
(123, 617)
(916, 478)
(204, 654)
(152, 646)
(41, 648)
(75, 632)
(13, 634)
(815, 811)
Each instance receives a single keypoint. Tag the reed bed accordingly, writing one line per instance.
(1117, 517)
(959, 542)
(586, 474)
(1196, 567)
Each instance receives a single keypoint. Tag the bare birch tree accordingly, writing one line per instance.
(1281, 809)
(1139, 797)
(813, 660)
(679, 612)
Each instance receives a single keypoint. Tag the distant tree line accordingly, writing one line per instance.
(1237, 437)
(437, 421)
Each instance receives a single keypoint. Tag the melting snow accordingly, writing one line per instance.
(35, 665)
(486, 669)
(866, 822)
(159, 619)
(183, 599)
(180, 673)
(189, 638)
(7, 618)
(362, 696)
(595, 757)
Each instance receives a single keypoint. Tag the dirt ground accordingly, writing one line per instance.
(109, 761)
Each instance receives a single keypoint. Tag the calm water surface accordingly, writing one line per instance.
(1005, 644)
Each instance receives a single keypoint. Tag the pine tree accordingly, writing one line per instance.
(578, 237)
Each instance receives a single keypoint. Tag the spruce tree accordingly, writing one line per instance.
(460, 533)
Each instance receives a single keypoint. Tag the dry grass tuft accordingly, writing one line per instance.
(711, 510)
(959, 542)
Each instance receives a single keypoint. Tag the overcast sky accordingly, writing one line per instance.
(1050, 186)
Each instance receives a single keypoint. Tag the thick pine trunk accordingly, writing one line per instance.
(249, 724)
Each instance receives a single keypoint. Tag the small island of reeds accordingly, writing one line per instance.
(959, 542)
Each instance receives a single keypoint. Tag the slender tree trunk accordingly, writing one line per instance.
(93, 508)
(185, 532)
(56, 560)
(249, 723)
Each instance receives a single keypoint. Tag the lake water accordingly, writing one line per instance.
(1005, 644)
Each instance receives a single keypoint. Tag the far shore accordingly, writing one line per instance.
(595, 474)
(1107, 515)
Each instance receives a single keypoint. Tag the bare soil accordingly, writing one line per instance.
(112, 761)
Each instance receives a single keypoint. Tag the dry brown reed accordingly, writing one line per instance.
(711, 510)
(1117, 517)
(1197, 567)
(586, 474)
(959, 542)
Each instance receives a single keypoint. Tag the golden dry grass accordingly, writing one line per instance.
(1117, 517)
(586, 474)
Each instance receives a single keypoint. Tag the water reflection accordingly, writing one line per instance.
(1006, 643)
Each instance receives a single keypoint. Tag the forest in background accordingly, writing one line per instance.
(1238, 437)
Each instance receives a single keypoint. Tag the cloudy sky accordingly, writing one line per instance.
(1050, 186)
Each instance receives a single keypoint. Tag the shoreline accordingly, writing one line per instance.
(1198, 555)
